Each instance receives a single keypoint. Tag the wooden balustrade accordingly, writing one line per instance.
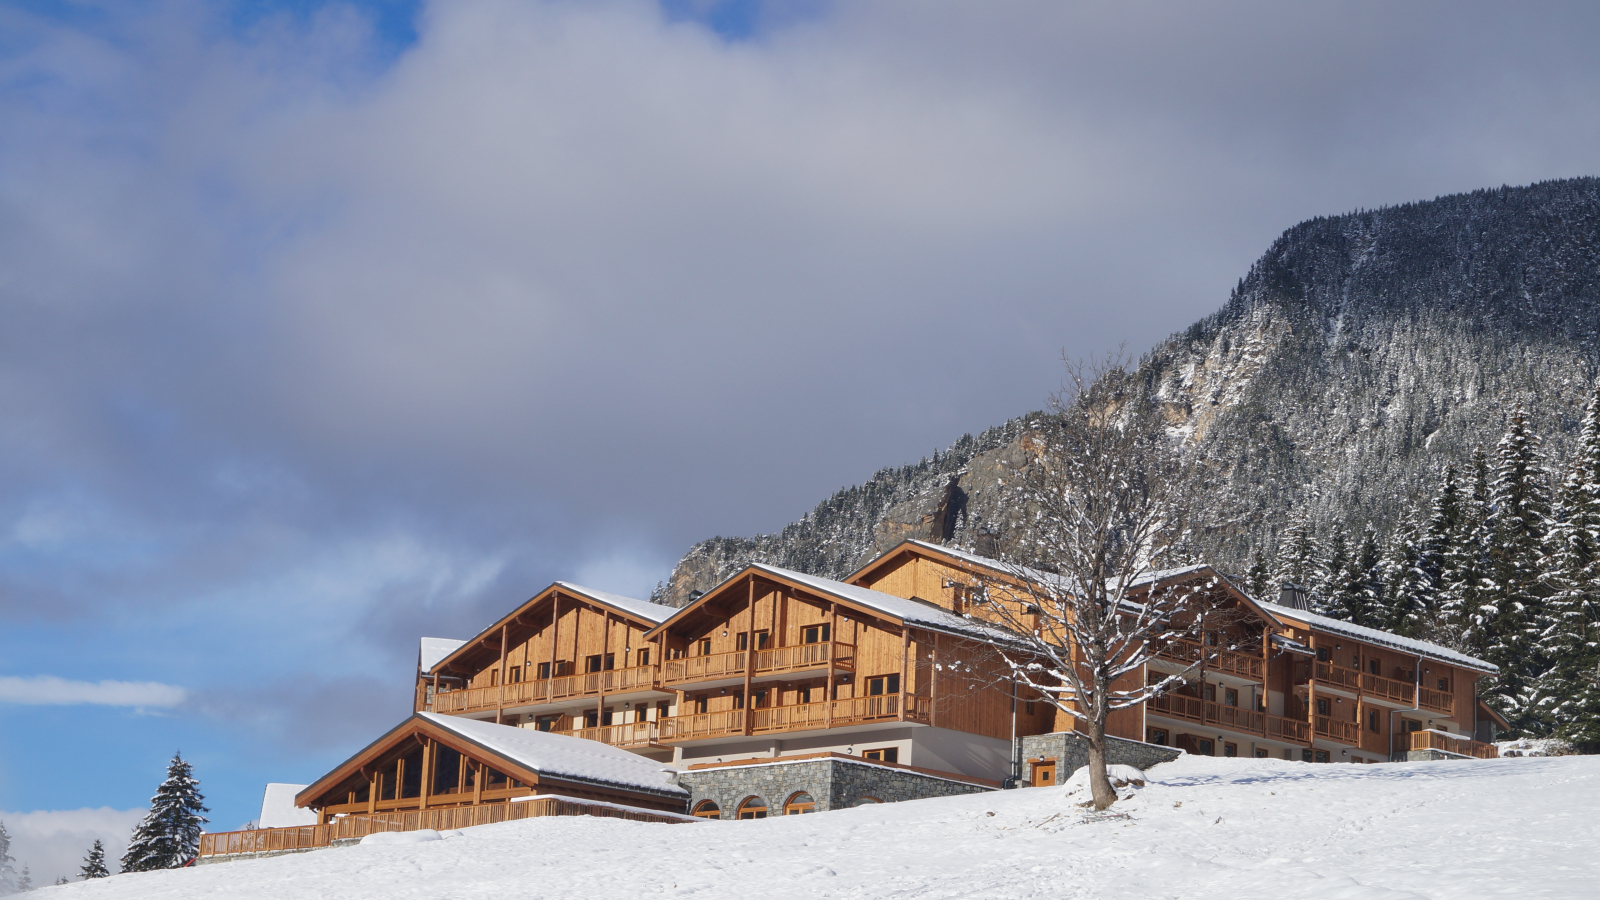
(702, 725)
(1430, 739)
(546, 690)
(1388, 688)
(311, 837)
(632, 735)
(772, 661)
(1338, 730)
(1228, 662)
(1234, 718)
(1439, 701)
(1338, 676)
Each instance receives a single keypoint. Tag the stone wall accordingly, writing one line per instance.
(835, 783)
(1070, 750)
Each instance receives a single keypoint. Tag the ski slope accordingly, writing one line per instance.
(1201, 828)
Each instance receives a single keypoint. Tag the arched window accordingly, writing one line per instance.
(707, 809)
(865, 801)
(753, 808)
(799, 803)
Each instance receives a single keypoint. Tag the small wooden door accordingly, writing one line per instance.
(1044, 773)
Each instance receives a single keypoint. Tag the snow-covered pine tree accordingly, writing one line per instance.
(8, 874)
(1299, 560)
(94, 865)
(1258, 580)
(1406, 586)
(1461, 593)
(1568, 691)
(169, 835)
(1359, 591)
(1519, 517)
(1332, 572)
(24, 881)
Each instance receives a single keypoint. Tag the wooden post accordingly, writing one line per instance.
(555, 631)
(500, 696)
(933, 682)
(905, 656)
(605, 645)
(427, 774)
(1311, 693)
(477, 784)
(827, 689)
(749, 654)
(1266, 676)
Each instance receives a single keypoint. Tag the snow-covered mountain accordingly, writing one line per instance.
(1357, 356)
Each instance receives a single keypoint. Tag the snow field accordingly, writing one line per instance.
(1201, 828)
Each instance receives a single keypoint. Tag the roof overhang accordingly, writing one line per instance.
(488, 635)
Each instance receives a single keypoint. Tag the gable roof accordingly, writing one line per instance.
(909, 612)
(524, 753)
(649, 614)
(1382, 638)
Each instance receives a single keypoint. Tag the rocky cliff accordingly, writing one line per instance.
(1356, 357)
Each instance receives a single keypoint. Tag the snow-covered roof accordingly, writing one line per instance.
(1051, 578)
(1382, 638)
(914, 612)
(278, 809)
(644, 609)
(561, 756)
(435, 649)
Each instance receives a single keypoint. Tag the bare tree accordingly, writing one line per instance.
(1104, 506)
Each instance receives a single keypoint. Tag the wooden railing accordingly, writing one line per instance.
(802, 717)
(1231, 717)
(310, 837)
(1430, 739)
(702, 725)
(545, 690)
(1226, 661)
(1441, 701)
(1388, 688)
(630, 736)
(1338, 676)
(1338, 730)
(776, 660)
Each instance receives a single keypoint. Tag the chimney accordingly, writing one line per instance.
(1294, 597)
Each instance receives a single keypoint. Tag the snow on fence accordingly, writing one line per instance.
(311, 837)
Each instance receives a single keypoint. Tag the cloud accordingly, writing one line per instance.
(53, 843)
(48, 690)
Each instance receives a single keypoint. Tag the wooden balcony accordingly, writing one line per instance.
(545, 690)
(803, 717)
(1232, 718)
(1439, 701)
(632, 736)
(773, 661)
(1338, 676)
(1339, 730)
(1452, 743)
(1388, 688)
(1227, 662)
(699, 726)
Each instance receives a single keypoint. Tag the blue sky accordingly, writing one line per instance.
(331, 326)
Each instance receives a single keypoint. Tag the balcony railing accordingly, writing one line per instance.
(698, 726)
(1441, 701)
(1452, 743)
(1388, 688)
(1338, 676)
(1338, 730)
(1226, 661)
(632, 736)
(774, 661)
(1233, 718)
(802, 717)
(546, 690)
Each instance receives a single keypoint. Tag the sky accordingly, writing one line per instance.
(327, 326)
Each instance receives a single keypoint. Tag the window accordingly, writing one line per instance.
(1372, 721)
(1322, 756)
(864, 801)
(1206, 747)
(707, 809)
(1261, 753)
(514, 674)
(1158, 736)
(1211, 692)
(758, 700)
(1323, 655)
(883, 684)
(815, 634)
(705, 646)
(1211, 639)
(592, 664)
(1230, 749)
(701, 704)
(1305, 755)
(883, 754)
(753, 808)
(802, 695)
(591, 719)
(446, 770)
(799, 804)
(642, 658)
(1028, 707)
(738, 700)
(1322, 706)
(663, 709)
(762, 639)
(1230, 697)
(606, 717)
(494, 677)
(544, 671)
(1374, 667)
(1444, 685)
(545, 723)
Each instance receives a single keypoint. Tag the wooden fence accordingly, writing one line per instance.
(311, 837)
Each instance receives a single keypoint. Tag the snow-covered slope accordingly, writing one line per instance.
(1202, 828)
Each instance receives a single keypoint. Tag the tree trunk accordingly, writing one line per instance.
(1099, 784)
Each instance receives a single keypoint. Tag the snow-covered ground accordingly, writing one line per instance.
(1201, 828)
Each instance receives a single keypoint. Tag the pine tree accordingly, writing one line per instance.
(1359, 591)
(25, 882)
(1259, 579)
(1332, 572)
(1568, 693)
(169, 835)
(8, 874)
(1407, 587)
(1299, 560)
(94, 865)
(1511, 615)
